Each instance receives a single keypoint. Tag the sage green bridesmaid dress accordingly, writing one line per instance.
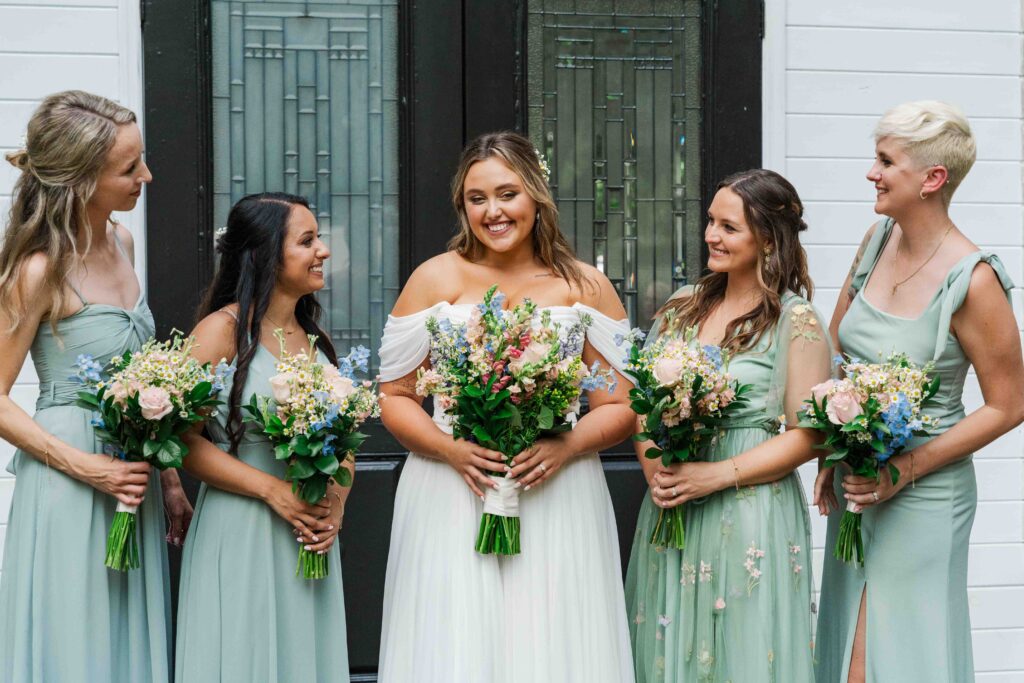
(736, 605)
(916, 543)
(243, 614)
(63, 615)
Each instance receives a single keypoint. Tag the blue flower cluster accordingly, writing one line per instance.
(449, 343)
(714, 354)
(497, 305)
(634, 336)
(221, 374)
(357, 359)
(597, 381)
(332, 411)
(88, 370)
(899, 420)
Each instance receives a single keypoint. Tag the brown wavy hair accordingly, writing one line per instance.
(549, 244)
(774, 213)
(69, 137)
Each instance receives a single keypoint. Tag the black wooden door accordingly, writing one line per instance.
(640, 107)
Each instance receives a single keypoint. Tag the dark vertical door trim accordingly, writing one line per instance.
(179, 203)
(431, 126)
(732, 90)
(494, 82)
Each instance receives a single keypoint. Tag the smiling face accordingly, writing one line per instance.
(897, 177)
(124, 172)
(732, 244)
(303, 254)
(500, 212)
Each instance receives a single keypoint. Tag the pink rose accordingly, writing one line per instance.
(820, 391)
(668, 370)
(720, 603)
(280, 386)
(534, 353)
(843, 407)
(119, 392)
(155, 403)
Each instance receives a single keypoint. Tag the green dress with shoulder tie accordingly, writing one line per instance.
(63, 615)
(916, 543)
(736, 605)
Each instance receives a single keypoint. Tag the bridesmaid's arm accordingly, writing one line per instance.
(208, 463)
(987, 331)
(123, 480)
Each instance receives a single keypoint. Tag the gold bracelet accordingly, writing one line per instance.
(735, 472)
(913, 480)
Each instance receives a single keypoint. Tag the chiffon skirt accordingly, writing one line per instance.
(554, 613)
(63, 615)
(736, 604)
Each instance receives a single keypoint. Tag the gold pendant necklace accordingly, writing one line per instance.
(918, 270)
(279, 327)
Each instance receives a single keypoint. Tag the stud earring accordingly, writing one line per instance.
(922, 195)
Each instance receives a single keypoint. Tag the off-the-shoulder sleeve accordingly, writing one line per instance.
(872, 250)
(405, 343)
(606, 336)
(955, 291)
(803, 358)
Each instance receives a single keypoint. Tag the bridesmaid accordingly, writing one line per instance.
(555, 612)
(68, 287)
(918, 285)
(735, 604)
(243, 614)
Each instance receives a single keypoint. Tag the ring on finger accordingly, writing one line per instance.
(674, 493)
(874, 494)
(542, 467)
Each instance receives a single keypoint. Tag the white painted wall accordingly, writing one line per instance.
(831, 69)
(47, 46)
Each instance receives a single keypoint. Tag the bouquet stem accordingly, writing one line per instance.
(311, 565)
(122, 549)
(499, 526)
(670, 530)
(849, 543)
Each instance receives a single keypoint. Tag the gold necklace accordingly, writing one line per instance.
(918, 270)
(280, 327)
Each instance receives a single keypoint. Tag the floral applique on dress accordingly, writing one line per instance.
(804, 323)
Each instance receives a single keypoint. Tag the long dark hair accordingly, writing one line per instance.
(251, 255)
(774, 214)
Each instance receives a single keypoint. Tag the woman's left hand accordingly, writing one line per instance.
(865, 491)
(176, 506)
(539, 462)
(337, 496)
(688, 481)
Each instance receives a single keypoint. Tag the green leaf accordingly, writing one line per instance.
(546, 418)
(300, 445)
(472, 391)
(327, 464)
(343, 476)
(299, 469)
(200, 391)
(653, 452)
(282, 451)
(894, 473)
(313, 490)
(481, 435)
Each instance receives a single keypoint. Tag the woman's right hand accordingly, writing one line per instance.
(306, 520)
(471, 460)
(121, 479)
(824, 492)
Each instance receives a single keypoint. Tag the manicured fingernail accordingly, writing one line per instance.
(527, 488)
(480, 497)
(517, 485)
(321, 552)
(507, 468)
(857, 508)
(309, 547)
(299, 539)
(316, 539)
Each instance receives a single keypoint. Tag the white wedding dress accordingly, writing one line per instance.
(554, 613)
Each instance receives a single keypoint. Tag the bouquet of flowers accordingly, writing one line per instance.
(312, 420)
(867, 418)
(507, 378)
(149, 399)
(682, 392)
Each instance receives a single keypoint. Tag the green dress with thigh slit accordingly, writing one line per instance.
(916, 543)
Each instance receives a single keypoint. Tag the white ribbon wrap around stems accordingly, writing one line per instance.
(131, 509)
(852, 507)
(504, 500)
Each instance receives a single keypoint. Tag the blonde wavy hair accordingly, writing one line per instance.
(934, 134)
(69, 137)
(549, 244)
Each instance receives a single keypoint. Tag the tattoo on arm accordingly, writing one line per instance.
(406, 386)
(851, 291)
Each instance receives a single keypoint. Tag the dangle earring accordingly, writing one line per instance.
(922, 195)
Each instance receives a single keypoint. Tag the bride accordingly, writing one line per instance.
(556, 611)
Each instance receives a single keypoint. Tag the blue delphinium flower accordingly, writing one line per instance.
(714, 354)
(98, 423)
(595, 381)
(88, 370)
(329, 444)
(897, 417)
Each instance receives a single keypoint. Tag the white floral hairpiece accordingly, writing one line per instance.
(220, 232)
(545, 170)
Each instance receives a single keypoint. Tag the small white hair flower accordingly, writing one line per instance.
(545, 170)
(220, 232)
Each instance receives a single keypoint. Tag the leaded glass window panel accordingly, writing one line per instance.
(305, 101)
(614, 104)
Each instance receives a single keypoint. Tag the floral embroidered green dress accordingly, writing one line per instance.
(736, 605)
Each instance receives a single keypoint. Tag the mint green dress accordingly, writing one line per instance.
(916, 543)
(63, 615)
(736, 605)
(243, 614)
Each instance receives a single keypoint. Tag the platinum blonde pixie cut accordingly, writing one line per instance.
(934, 134)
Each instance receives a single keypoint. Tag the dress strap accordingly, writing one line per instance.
(954, 291)
(77, 293)
(872, 250)
(117, 240)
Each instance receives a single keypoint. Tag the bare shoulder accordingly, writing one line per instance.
(599, 293)
(436, 279)
(31, 284)
(124, 235)
(215, 335)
